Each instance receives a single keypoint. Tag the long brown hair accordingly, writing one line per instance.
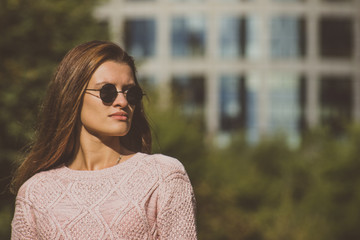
(57, 134)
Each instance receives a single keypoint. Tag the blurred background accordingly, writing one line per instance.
(259, 99)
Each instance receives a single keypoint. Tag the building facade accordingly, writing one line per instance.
(262, 66)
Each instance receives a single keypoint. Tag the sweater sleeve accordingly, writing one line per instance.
(176, 208)
(23, 223)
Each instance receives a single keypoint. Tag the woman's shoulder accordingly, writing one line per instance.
(165, 165)
(40, 183)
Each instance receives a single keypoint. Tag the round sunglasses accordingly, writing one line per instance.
(108, 94)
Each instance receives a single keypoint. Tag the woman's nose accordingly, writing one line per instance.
(120, 100)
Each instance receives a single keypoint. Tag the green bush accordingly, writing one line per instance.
(265, 191)
(268, 190)
(35, 35)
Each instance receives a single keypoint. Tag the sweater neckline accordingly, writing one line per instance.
(68, 172)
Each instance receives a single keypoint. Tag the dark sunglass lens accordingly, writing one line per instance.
(134, 95)
(108, 93)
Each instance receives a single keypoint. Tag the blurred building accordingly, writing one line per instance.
(259, 65)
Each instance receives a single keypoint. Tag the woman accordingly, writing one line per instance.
(89, 174)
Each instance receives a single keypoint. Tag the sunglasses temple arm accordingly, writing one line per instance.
(92, 89)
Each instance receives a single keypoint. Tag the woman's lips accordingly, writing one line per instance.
(123, 116)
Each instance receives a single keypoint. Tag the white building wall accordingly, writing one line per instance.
(163, 66)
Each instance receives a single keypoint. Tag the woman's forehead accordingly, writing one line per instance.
(112, 72)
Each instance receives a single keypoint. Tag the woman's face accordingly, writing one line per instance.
(113, 119)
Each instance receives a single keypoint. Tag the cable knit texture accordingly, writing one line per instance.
(145, 197)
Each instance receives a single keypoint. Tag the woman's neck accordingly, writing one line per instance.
(95, 153)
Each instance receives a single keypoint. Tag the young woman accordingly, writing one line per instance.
(89, 173)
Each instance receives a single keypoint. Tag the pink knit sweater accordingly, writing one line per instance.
(145, 197)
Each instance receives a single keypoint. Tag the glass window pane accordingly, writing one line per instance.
(185, 0)
(239, 37)
(232, 102)
(336, 102)
(287, 37)
(189, 92)
(140, 37)
(236, 0)
(231, 37)
(288, 0)
(338, 1)
(286, 104)
(252, 43)
(188, 36)
(253, 86)
(336, 37)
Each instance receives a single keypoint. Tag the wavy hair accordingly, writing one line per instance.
(57, 135)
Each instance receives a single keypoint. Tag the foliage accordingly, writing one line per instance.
(269, 190)
(251, 192)
(35, 35)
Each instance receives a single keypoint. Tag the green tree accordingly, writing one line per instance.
(268, 191)
(35, 35)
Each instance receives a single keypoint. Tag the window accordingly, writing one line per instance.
(338, 1)
(185, 0)
(287, 37)
(231, 37)
(252, 46)
(236, 0)
(336, 37)
(188, 36)
(232, 102)
(286, 101)
(238, 37)
(189, 93)
(231, 0)
(288, 0)
(140, 37)
(253, 89)
(336, 102)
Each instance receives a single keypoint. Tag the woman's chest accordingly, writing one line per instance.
(111, 214)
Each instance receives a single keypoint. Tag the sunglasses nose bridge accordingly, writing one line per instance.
(122, 97)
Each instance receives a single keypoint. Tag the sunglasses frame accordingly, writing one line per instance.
(115, 92)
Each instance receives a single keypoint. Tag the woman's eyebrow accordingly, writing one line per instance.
(106, 82)
(129, 85)
(102, 83)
